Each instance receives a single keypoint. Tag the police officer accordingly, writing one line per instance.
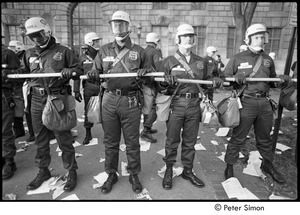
(185, 105)
(212, 68)
(19, 48)
(153, 57)
(256, 109)
(90, 88)
(120, 105)
(10, 64)
(49, 57)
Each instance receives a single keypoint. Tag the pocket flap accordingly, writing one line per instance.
(58, 104)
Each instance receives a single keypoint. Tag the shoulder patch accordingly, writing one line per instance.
(133, 55)
(58, 56)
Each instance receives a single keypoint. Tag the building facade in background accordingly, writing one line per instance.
(213, 23)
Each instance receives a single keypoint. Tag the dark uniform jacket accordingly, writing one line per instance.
(52, 59)
(196, 64)
(212, 66)
(244, 62)
(134, 60)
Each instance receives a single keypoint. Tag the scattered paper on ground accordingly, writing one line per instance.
(282, 147)
(176, 171)
(101, 177)
(53, 141)
(273, 196)
(214, 142)
(59, 154)
(144, 145)
(22, 142)
(222, 156)
(222, 132)
(78, 155)
(234, 189)
(101, 160)
(122, 147)
(199, 146)
(76, 144)
(10, 196)
(198, 137)
(253, 166)
(250, 195)
(162, 152)
(124, 169)
(80, 120)
(44, 188)
(279, 132)
(143, 195)
(58, 149)
(94, 141)
(71, 197)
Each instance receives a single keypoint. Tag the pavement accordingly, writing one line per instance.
(207, 166)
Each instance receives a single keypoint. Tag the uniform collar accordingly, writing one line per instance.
(183, 57)
(127, 43)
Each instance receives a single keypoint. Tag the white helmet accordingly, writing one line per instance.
(211, 49)
(90, 37)
(243, 48)
(36, 24)
(16, 46)
(152, 38)
(254, 29)
(272, 55)
(120, 15)
(184, 29)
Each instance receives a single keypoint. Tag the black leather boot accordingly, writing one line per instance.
(108, 184)
(9, 168)
(71, 181)
(19, 127)
(147, 136)
(188, 174)
(228, 171)
(88, 136)
(268, 167)
(167, 181)
(136, 184)
(43, 175)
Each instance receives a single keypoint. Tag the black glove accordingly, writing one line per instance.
(217, 82)
(142, 72)
(5, 72)
(170, 79)
(78, 96)
(67, 73)
(93, 75)
(10, 102)
(240, 78)
(285, 78)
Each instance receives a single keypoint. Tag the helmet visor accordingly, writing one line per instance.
(119, 27)
(39, 38)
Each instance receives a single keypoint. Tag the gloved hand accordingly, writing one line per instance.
(10, 102)
(93, 75)
(240, 78)
(285, 78)
(142, 72)
(78, 96)
(170, 79)
(67, 73)
(5, 72)
(217, 82)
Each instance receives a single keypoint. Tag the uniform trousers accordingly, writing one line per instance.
(43, 134)
(117, 116)
(186, 116)
(256, 112)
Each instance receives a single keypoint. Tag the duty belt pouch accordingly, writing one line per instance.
(94, 108)
(274, 107)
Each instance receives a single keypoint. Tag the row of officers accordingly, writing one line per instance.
(122, 101)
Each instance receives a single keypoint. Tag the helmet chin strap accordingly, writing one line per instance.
(122, 39)
(255, 49)
(43, 46)
(187, 46)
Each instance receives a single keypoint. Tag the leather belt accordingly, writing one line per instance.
(255, 95)
(38, 91)
(53, 91)
(93, 82)
(119, 92)
(188, 95)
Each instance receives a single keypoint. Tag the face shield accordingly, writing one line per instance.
(119, 28)
(38, 38)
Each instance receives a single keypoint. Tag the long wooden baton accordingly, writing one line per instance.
(261, 79)
(193, 81)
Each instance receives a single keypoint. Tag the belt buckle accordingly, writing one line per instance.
(118, 92)
(42, 91)
(188, 95)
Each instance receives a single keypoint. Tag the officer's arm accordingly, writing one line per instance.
(273, 74)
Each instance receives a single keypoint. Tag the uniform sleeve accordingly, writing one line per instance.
(97, 63)
(273, 75)
(157, 59)
(229, 69)
(72, 62)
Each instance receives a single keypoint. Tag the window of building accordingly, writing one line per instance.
(160, 5)
(276, 6)
(274, 40)
(200, 39)
(231, 42)
(85, 19)
(198, 5)
(14, 32)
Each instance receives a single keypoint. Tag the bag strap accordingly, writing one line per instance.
(121, 54)
(187, 68)
(256, 67)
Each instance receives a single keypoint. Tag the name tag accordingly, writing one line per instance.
(109, 59)
(33, 60)
(245, 66)
(87, 62)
